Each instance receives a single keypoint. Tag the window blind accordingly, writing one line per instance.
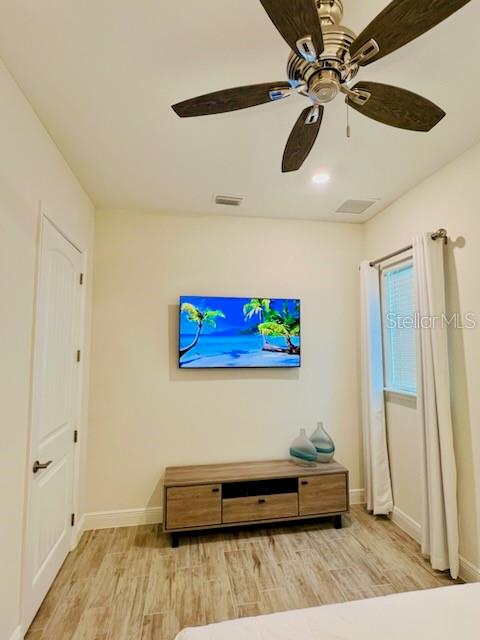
(400, 330)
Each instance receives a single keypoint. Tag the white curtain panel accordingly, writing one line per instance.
(377, 468)
(440, 517)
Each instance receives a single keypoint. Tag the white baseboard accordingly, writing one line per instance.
(407, 524)
(357, 496)
(468, 571)
(122, 518)
(150, 515)
(17, 634)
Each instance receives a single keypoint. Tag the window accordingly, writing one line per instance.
(399, 330)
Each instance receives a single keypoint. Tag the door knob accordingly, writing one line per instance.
(38, 466)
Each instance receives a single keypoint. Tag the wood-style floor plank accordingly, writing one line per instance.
(129, 584)
(128, 607)
(89, 562)
(93, 624)
(159, 598)
(300, 576)
(249, 610)
(66, 617)
(323, 583)
(122, 539)
(267, 573)
(187, 598)
(284, 599)
(218, 601)
(153, 626)
(106, 581)
(242, 579)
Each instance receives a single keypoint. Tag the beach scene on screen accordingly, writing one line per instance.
(239, 332)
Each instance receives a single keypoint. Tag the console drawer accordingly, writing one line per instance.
(323, 494)
(254, 508)
(196, 506)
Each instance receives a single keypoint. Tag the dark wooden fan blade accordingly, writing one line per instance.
(301, 141)
(398, 107)
(296, 19)
(402, 21)
(229, 100)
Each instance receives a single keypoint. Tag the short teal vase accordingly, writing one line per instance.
(324, 445)
(302, 451)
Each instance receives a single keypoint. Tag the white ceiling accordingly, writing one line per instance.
(102, 75)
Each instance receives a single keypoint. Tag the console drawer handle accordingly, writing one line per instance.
(304, 482)
(216, 490)
(262, 501)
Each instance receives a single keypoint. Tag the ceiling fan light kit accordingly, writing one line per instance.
(325, 59)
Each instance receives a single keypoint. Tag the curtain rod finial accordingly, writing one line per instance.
(440, 234)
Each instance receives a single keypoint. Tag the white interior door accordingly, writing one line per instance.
(54, 410)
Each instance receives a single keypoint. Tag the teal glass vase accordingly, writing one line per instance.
(302, 450)
(323, 443)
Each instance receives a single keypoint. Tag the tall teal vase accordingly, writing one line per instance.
(323, 444)
(302, 451)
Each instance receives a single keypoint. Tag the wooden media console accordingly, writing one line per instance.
(226, 495)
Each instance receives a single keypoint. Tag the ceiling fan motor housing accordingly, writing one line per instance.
(325, 76)
(323, 87)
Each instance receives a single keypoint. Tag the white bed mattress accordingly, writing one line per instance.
(450, 613)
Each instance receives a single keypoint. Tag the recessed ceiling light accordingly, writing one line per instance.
(321, 178)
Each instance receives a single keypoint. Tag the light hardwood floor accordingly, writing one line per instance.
(128, 584)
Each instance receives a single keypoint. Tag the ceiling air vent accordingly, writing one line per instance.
(355, 207)
(229, 201)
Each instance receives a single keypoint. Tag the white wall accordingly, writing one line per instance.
(449, 199)
(146, 414)
(405, 459)
(31, 170)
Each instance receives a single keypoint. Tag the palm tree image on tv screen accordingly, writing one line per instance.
(239, 333)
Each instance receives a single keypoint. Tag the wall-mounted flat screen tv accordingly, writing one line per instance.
(239, 333)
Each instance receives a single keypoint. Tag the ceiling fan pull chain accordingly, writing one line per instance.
(349, 129)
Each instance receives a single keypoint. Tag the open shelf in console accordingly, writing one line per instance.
(259, 488)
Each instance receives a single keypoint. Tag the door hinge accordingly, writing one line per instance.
(75, 436)
(72, 520)
(81, 278)
(79, 355)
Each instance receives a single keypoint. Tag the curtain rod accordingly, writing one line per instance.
(440, 234)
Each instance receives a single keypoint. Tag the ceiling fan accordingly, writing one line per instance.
(325, 57)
